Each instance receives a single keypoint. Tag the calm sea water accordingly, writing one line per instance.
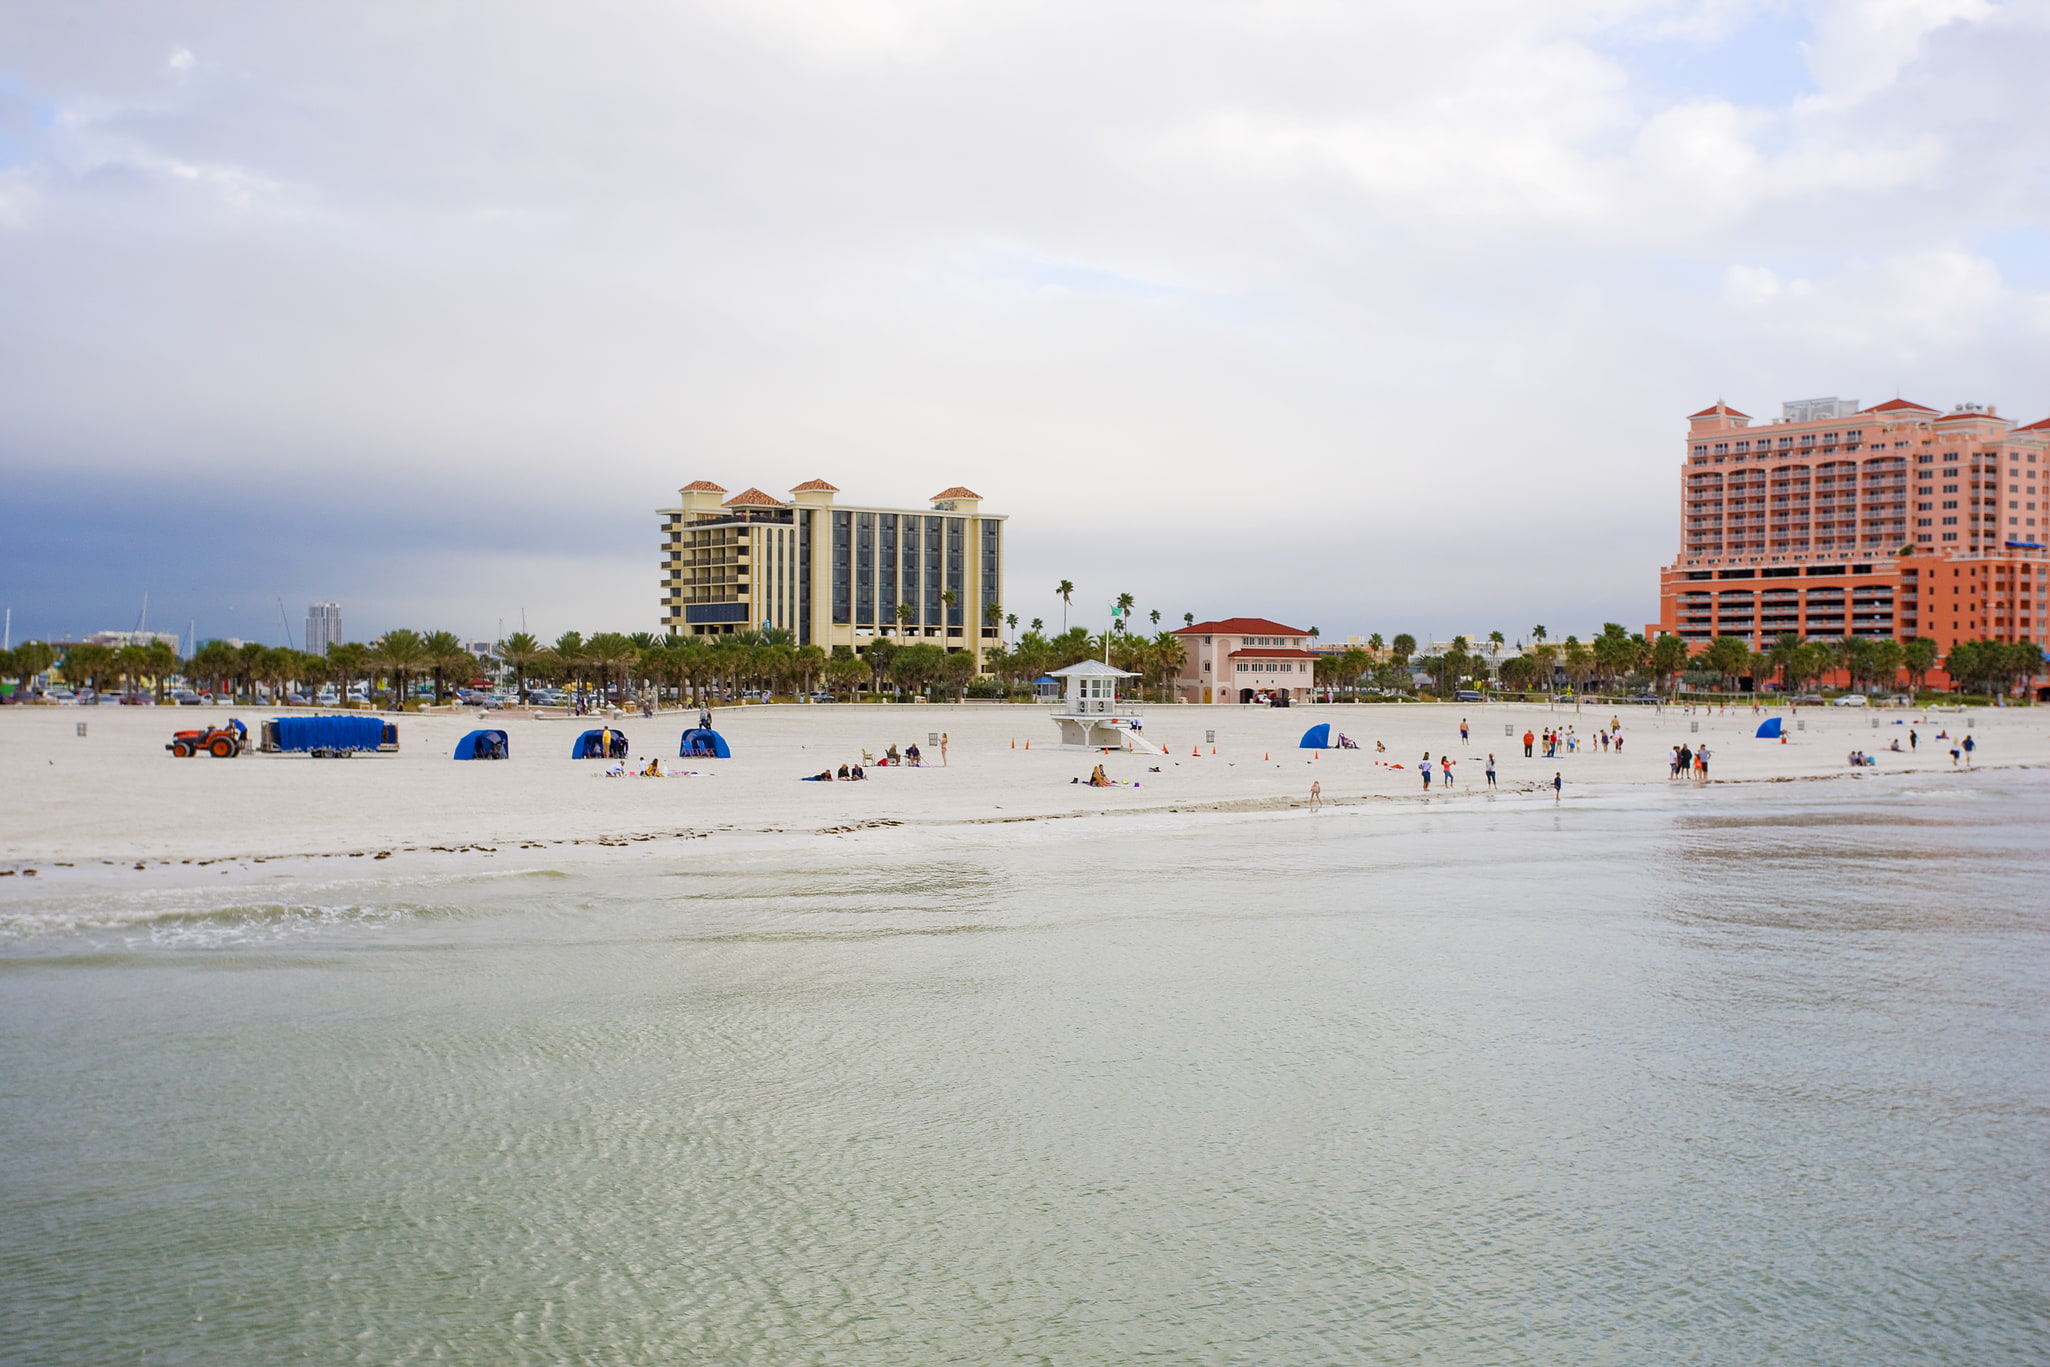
(1742, 1076)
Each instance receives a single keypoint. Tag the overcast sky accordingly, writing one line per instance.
(1366, 316)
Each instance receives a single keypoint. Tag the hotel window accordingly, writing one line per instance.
(1950, 521)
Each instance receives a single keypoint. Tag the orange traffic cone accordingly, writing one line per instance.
(1265, 755)
(1213, 749)
(1028, 745)
(1014, 742)
(1194, 753)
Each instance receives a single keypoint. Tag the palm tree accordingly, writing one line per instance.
(520, 650)
(347, 660)
(1919, 657)
(1011, 621)
(610, 653)
(947, 603)
(1538, 633)
(1038, 624)
(568, 657)
(1066, 589)
(1188, 619)
(85, 665)
(401, 652)
(444, 652)
(1125, 604)
(905, 612)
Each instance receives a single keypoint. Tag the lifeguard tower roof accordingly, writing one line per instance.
(1093, 669)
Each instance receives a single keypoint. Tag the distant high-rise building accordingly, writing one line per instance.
(829, 574)
(323, 627)
(1892, 521)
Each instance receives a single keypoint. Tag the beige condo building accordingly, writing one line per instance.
(832, 575)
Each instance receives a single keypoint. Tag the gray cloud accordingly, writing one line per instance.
(1382, 318)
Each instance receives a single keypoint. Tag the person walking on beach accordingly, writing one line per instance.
(1445, 764)
(1970, 745)
(1912, 738)
(1491, 771)
(1701, 764)
(1673, 765)
(943, 749)
(1529, 739)
(1316, 795)
(1953, 755)
(1426, 767)
(1462, 730)
(1558, 784)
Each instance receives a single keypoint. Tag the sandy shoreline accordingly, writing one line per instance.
(116, 798)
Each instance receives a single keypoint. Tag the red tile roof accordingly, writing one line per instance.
(1899, 405)
(1965, 417)
(2043, 426)
(701, 486)
(1718, 407)
(814, 486)
(1274, 653)
(1240, 626)
(956, 492)
(751, 498)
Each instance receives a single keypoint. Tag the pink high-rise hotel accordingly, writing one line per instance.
(1895, 520)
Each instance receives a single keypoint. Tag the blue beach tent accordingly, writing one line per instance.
(1769, 729)
(591, 745)
(1317, 737)
(702, 742)
(482, 745)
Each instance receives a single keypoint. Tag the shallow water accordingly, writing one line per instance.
(1734, 1076)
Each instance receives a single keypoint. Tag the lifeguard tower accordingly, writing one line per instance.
(1091, 717)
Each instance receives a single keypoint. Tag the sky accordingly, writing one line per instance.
(1361, 316)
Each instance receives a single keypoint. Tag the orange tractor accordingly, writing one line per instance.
(222, 742)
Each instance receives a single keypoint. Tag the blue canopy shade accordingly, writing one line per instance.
(1317, 737)
(483, 745)
(329, 733)
(591, 745)
(1769, 729)
(702, 742)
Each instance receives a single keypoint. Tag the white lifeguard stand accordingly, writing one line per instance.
(1091, 717)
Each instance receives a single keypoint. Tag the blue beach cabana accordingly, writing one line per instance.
(1769, 729)
(592, 744)
(483, 745)
(1317, 737)
(702, 742)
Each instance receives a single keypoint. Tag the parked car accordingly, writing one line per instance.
(1466, 695)
(1851, 700)
(186, 697)
(1810, 700)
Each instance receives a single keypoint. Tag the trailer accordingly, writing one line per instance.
(329, 737)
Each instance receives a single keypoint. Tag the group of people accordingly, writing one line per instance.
(910, 756)
(1555, 739)
(849, 773)
(1688, 761)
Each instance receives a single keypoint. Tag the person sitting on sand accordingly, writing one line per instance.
(1098, 779)
(654, 769)
(911, 755)
(843, 771)
(857, 775)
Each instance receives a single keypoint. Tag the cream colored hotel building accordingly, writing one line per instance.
(832, 575)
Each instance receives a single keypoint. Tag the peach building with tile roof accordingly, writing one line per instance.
(1238, 659)
(1898, 520)
(830, 574)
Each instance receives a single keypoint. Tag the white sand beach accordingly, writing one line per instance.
(116, 795)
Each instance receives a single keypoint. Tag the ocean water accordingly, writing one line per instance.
(1743, 1075)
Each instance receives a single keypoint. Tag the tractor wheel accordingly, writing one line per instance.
(181, 749)
(222, 748)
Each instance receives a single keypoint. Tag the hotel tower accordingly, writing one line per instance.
(1895, 520)
(832, 575)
